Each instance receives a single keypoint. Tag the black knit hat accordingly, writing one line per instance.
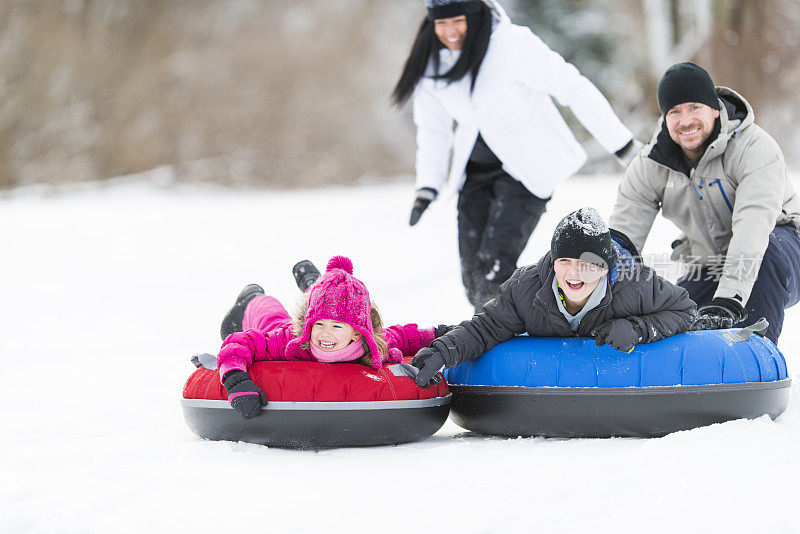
(584, 236)
(445, 9)
(686, 82)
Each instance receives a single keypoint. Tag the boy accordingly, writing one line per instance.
(591, 283)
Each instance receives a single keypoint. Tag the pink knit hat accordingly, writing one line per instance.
(337, 295)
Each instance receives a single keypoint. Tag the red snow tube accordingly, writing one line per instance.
(316, 405)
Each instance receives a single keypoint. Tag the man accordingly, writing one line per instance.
(723, 182)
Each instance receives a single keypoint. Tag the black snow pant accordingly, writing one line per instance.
(777, 286)
(496, 216)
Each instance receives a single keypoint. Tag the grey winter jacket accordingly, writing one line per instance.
(526, 303)
(726, 206)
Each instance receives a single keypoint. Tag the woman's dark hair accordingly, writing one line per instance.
(427, 45)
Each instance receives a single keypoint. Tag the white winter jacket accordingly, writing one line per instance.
(511, 108)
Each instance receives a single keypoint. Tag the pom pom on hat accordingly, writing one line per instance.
(340, 262)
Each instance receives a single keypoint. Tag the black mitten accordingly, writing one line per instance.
(425, 196)
(243, 394)
(429, 362)
(721, 313)
(442, 329)
(621, 334)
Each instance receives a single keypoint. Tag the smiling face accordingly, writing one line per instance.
(577, 279)
(690, 126)
(451, 32)
(331, 335)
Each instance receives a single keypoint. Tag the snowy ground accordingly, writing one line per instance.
(106, 292)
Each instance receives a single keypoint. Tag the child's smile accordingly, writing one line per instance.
(574, 284)
(577, 279)
(331, 335)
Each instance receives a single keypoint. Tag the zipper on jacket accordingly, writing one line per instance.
(557, 315)
(718, 183)
(594, 313)
(691, 182)
(699, 211)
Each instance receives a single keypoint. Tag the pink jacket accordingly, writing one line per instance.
(241, 349)
(268, 335)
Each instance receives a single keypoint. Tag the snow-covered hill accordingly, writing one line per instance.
(106, 291)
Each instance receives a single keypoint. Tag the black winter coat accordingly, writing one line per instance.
(526, 303)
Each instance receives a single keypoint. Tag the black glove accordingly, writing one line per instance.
(442, 329)
(425, 196)
(721, 313)
(429, 362)
(626, 154)
(243, 394)
(621, 334)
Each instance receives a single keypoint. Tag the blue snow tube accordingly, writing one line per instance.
(569, 387)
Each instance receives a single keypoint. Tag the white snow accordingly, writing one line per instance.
(585, 219)
(107, 291)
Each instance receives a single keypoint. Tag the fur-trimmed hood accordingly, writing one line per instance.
(339, 296)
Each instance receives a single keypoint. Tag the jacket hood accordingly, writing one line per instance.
(498, 13)
(340, 296)
(737, 115)
(448, 58)
(626, 260)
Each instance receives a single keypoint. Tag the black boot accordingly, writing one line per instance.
(233, 319)
(305, 274)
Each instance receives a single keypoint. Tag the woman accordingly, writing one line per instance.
(591, 283)
(511, 146)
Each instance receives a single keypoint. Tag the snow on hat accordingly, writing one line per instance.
(337, 295)
(444, 9)
(686, 82)
(583, 235)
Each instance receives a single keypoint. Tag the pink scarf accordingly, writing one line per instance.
(351, 352)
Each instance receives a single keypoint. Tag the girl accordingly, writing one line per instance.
(511, 147)
(337, 323)
(591, 283)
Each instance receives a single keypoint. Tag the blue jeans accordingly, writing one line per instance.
(776, 288)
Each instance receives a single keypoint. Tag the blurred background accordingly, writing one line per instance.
(295, 93)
